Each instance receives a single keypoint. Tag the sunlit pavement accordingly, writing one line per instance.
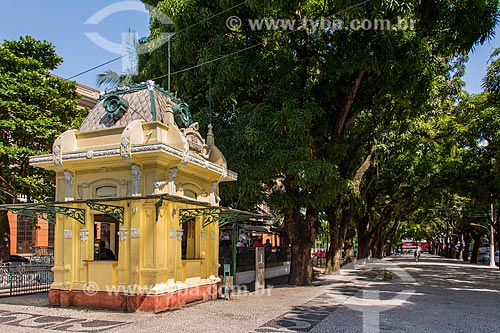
(444, 296)
(433, 295)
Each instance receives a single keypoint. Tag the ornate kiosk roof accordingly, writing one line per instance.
(138, 124)
(143, 101)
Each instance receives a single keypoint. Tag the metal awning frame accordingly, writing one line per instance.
(259, 229)
(210, 214)
(46, 211)
(221, 215)
(115, 211)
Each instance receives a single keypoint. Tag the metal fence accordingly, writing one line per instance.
(245, 257)
(24, 279)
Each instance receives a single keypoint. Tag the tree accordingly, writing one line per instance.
(479, 148)
(111, 78)
(285, 101)
(35, 107)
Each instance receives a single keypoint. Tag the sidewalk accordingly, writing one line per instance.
(270, 310)
(436, 294)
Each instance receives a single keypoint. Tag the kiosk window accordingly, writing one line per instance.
(188, 239)
(105, 237)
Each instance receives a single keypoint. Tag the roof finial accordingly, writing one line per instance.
(210, 136)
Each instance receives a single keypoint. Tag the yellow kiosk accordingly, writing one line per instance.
(137, 205)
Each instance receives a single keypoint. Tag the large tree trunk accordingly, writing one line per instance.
(338, 220)
(466, 247)
(460, 254)
(380, 234)
(364, 237)
(4, 233)
(377, 242)
(302, 234)
(379, 248)
(334, 253)
(349, 245)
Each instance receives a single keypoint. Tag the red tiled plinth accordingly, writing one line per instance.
(121, 301)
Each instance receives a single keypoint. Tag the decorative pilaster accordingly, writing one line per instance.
(125, 150)
(214, 197)
(136, 179)
(171, 181)
(57, 156)
(69, 177)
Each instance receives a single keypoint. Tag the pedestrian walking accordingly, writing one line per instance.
(417, 254)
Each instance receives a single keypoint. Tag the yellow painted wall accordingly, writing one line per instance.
(149, 255)
(150, 262)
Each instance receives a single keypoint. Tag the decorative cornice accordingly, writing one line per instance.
(138, 149)
(41, 159)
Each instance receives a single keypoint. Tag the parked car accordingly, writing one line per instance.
(15, 259)
(484, 257)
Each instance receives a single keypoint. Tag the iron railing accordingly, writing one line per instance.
(24, 279)
(245, 257)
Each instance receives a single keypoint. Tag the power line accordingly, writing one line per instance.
(253, 46)
(131, 52)
(96, 67)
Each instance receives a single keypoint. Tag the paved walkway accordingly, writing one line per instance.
(434, 295)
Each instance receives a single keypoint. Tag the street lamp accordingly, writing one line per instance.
(492, 239)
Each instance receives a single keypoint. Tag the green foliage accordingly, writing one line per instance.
(361, 119)
(35, 107)
(286, 101)
(113, 79)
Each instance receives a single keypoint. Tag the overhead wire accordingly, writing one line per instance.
(98, 66)
(222, 56)
(131, 52)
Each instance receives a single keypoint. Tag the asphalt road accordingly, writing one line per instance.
(434, 295)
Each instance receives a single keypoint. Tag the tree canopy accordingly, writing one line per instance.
(322, 109)
(35, 107)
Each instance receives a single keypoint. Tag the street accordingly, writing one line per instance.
(433, 295)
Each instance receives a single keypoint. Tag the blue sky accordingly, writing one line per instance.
(63, 24)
